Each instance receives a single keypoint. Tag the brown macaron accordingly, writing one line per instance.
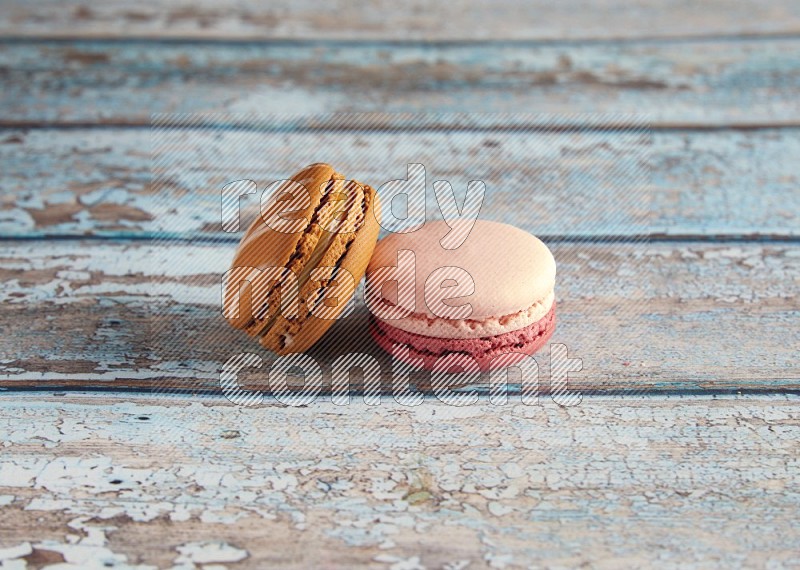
(298, 265)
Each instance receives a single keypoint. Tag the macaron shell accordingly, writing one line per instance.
(511, 268)
(354, 227)
(349, 251)
(423, 352)
(263, 247)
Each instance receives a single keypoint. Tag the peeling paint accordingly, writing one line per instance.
(388, 482)
(127, 303)
(209, 552)
(747, 179)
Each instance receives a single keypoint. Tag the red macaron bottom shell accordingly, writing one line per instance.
(490, 353)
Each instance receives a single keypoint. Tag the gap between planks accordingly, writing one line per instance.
(68, 38)
(222, 239)
(369, 21)
(661, 127)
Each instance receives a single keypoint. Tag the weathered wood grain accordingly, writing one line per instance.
(702, 82)
(98, 181)
(633, 482)
(386, 20)
(660, 318)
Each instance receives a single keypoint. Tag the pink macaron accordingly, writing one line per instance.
(448, 296)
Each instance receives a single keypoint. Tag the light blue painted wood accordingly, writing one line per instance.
(612, 482)
(694, 82)
(98, 181)
(670, 318)
(457, 20)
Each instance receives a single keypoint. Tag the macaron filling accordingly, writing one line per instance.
(431, 326)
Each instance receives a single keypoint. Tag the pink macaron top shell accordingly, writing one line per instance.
(513, 272)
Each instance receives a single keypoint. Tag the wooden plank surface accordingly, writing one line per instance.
(386, 20)
(679, 477)
(700, 482)
(98, 181)
(668, 317)
(699, 83)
